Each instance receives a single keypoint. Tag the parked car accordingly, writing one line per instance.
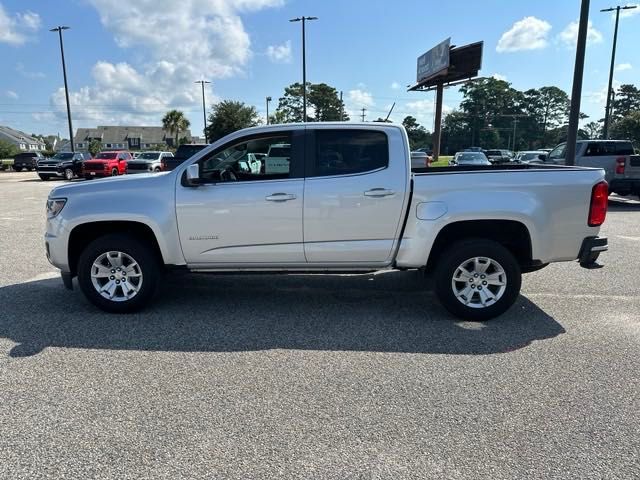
(473, 149)
(351, 203)
(529, 156)
(147, 162)
(62, 165)
(184, 152)
(615, 157)
(419, 160)
(106, 164)
(499, 156)
(28, 160)
(469, 158)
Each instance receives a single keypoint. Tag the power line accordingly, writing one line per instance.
(363, 113)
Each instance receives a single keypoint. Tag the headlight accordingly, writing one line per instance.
(55, 206)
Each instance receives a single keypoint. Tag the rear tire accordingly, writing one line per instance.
(44, 177)
(114, 172)
(477, 279)
(118, 291)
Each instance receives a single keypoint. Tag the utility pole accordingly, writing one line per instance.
(204, 110)
(303, 19)
(576, 92)
(362, 115)
(607, 112)
(437, 131)
(59, 29)
(268, 100)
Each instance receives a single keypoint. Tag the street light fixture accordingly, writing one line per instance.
(268, 100)
(204, 109)
(608, 108)
(304, 64)
(59, 29)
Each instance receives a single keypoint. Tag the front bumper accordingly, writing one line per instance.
(590, 250)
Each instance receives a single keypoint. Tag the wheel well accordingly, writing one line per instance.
(511, 234)
(84, 234)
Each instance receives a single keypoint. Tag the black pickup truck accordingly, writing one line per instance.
(62, 165)
(28, 160)
(183, 153)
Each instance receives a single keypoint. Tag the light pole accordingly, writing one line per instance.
(304, 65)
(204, 109)
(59, 29)
(576, 92)
(607, 112)
(268, 100)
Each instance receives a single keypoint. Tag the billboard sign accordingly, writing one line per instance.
(435, 61)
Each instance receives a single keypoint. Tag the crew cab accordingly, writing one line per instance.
(327, 197)
(62, 165)
(28, 160)
(147, 162)
(107, 164)
(615, 157)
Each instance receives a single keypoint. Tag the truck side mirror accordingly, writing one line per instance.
(542, 157)
(192, 175)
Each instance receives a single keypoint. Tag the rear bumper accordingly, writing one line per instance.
(591, 249)
(625, 186)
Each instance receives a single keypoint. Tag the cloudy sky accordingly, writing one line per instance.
(131, 60)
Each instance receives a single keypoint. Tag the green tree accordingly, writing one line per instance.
(229, 116)
(175, 122)
(628, 127)
(7, 150)
(418, 135)
(627, 101)
(548, 107)
(592, 130)
(94, 147)
(323, 104)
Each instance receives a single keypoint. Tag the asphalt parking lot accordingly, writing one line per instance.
(364, 377)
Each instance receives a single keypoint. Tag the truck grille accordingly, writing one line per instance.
(95, 167)
(137, 166)
(47, 167)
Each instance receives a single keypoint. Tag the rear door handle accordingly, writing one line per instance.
(280, 197)
(379, 192)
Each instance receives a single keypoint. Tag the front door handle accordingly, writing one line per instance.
(280, 197)
(379, 192)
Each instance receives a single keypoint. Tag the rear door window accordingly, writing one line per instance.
(347, 152)
(624, 148)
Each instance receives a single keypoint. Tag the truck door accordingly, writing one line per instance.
(242, 215)
(354, 197)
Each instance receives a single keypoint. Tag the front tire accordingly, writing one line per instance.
(44, 178)
(477, 279)
(114, 172)
(68, 174)
(118, 274)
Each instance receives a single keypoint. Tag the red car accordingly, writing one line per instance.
(107, 164)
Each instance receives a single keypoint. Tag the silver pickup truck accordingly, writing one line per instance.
(326, 197)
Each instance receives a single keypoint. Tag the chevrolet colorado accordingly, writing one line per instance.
(340, 197)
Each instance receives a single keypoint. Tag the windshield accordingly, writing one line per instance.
(280, 152)
(186, 151)
(471, 156)
(557, 152)
(149, 156)
(493, 152)
(528, 156)
(106, 155)
(63, 156)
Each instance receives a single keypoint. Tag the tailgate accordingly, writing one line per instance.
(632, 168)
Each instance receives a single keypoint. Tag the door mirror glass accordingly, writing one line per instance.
(542, 157)
(193, 175)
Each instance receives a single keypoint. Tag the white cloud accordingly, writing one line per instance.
(530, 33)
(360, 98)
(498, 76)
(280, 53)
(423, 111)
(18, 29)
(181, 42)
(623, 66)
(12, 94)
(569, 36)
(395, 86)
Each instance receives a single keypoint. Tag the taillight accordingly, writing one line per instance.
(163, 166)
(599, 203)
(620, 162)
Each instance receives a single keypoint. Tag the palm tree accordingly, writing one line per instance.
(175, 122)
